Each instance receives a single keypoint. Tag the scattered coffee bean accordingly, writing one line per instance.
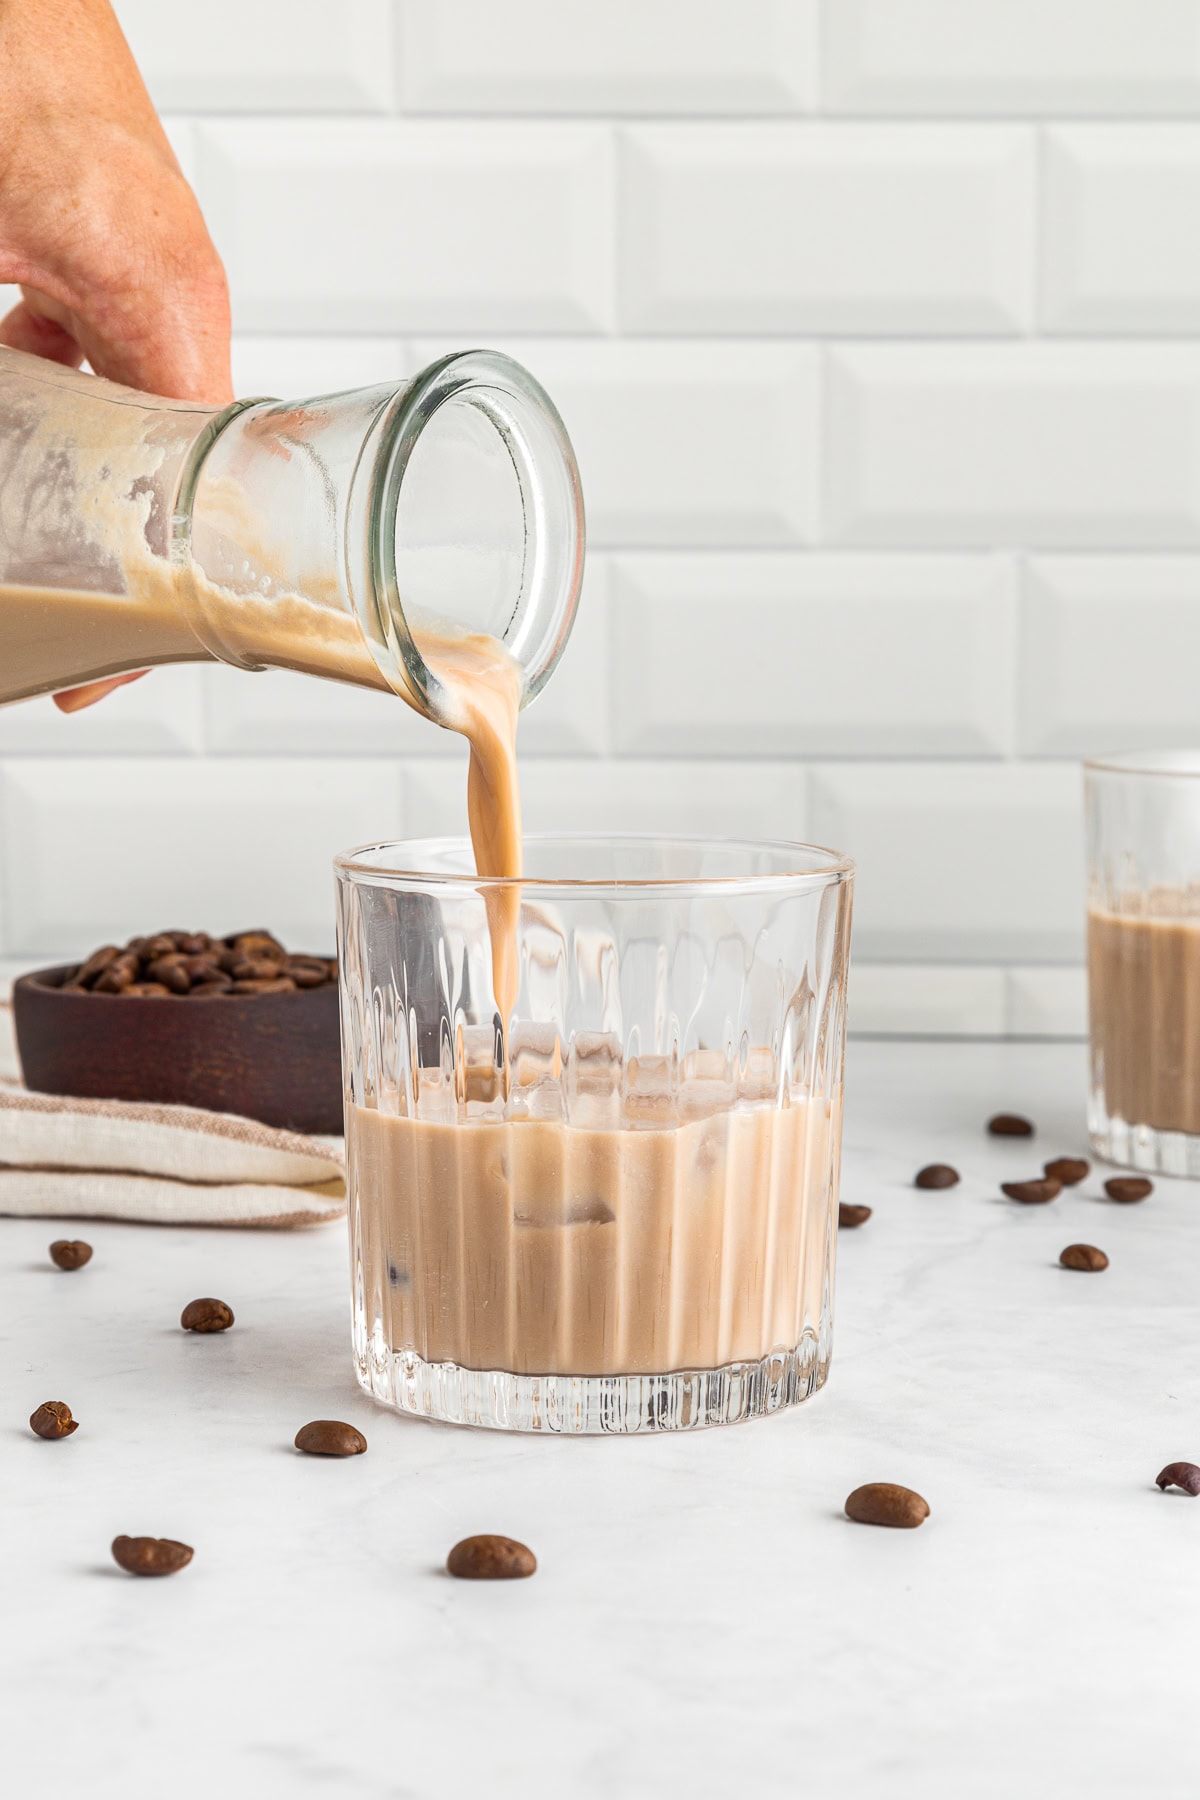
(849, 1217)
(1083, 1256)
(936, 1175)
(193, 964)
(1127, 1188)
(491, 1559)
(1010, 1125)
(53, 1420)
(206, 1315)
(151, 1556)
(1032, 1193)
(330, 1437)
(70, 1253)
(883, 1503)
(1069, 1170)
(1182, 1475)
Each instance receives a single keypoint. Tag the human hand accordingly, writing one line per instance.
(97, 225)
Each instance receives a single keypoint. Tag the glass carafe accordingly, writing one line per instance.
(341, 536)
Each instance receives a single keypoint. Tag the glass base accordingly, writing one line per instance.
(1141, 1146)
(685, 1400)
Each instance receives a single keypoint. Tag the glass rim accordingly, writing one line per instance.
(833, 869)
(1147, 763)
(461, 377)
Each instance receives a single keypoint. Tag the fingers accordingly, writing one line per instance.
(25, 328)
(73, 700)
(170, 337)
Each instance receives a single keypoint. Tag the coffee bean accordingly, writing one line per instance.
(936, 1175)
(256, 968)
(161, 944)
(145, 990)
(53, 1420)
(304, 977)
(1069, 1170)
(1010, 1125)
(169, 970)
(206, 1315)
(883, 1503)
(192, 943)
(257, 943)
(1032, 1193)
(70, 1253)
(203, 963)
(114, 980)
(1128, 1188)
(849, 1217)
(491, 1559)
(151, 1556)
(206, 990)
(1182, 1475)
(96, 963)
(282, 984)
(330, 1437)
(1083, 1256)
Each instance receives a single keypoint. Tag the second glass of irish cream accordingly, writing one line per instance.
(1143, 936)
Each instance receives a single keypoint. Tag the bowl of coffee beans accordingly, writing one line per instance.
(234, 1024)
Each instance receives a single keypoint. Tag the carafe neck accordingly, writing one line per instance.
(348, 534)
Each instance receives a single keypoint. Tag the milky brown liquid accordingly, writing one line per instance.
(536, 1247)
(1144, 1004)
(55, 638)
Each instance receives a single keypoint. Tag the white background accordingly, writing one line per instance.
(875, 326)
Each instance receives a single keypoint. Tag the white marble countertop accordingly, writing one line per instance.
(705, 1621)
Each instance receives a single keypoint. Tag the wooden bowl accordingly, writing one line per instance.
(273, 1057)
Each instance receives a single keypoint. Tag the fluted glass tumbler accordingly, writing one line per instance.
(607, 1203)
(1143, 836)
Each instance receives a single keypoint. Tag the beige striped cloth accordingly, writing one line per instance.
(162, 1165)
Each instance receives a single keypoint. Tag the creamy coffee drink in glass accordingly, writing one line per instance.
(593, 1122)
(1143, 934)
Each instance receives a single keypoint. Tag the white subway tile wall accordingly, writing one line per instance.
(876, 324)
